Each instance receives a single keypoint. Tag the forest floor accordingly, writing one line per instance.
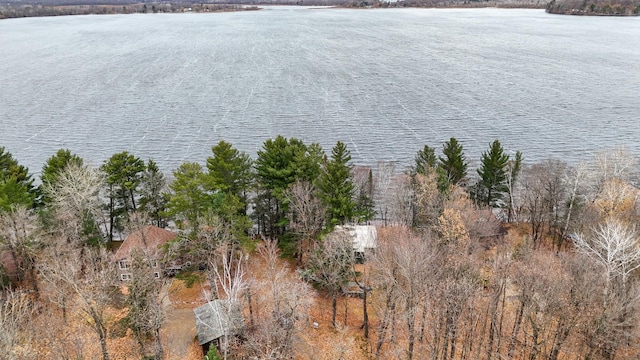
(319, 340)
(315, 343)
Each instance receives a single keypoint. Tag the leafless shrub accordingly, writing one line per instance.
(16, 310)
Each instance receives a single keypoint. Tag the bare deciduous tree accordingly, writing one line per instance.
(402, 267)
(383, 185)
(204, 246)
(614, 246)
(89, 276)
(307, 213)
(428, 200)
(283, 302)
(230, 273)
(543, 197)
(16, 310)
(614, 164)
(21, 235)
(147, 310)
(76, 202)
(331, 265)
(400, 201)
(617, 199)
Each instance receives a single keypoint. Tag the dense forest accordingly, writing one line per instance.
(510, 260)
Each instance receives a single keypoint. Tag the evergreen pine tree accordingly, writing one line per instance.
(452, 164)
(152, 193)
(230, 171)
(492, 185)
(425, 160)
(279, 165)
(123, 176)
(57, 163)
(336, 187)
(513, 171)
(16, 185)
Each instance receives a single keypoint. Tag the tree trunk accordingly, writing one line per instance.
(516, 330)
(250, 307)
(102, 333)
(133, 200)
(158, 345)
(503, 290)
(453, 338)
(334, 309)
(411, 326)
(533, 355)
(384, 324)
(212, 280)
(365, 316)
(492, 328)
(423, 323)
(111, 217)
(346, 308)
(445, 344)
(562, 332)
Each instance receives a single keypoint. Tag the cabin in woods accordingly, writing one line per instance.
(216, 322)
(147, 241)
(365, 239)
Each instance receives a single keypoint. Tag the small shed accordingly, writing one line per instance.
(216, 319)
(365, 239)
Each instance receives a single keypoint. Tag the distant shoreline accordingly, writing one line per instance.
(593, 8)
(10, 11)
(39, 10)
(22, 11)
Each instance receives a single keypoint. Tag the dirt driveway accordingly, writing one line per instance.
(179, 331)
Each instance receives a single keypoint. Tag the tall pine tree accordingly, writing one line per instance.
(492, 185)
(16, 185)
(425, 160)
(452, 164)
(230, 171)
(124, 174)
(336, 187)
(152, 193)
(279, 165)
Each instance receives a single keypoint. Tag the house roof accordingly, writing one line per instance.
(364, 236)
(218, 318)
(147, 240)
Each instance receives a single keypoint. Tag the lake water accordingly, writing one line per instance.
(386, 82)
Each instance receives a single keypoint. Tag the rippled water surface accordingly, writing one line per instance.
(386, 82)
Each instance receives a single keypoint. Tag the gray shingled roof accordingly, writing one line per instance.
(218, 318)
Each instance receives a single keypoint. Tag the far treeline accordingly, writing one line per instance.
(513, 260)
(64, 7)
(596, 7)
(34, 8)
